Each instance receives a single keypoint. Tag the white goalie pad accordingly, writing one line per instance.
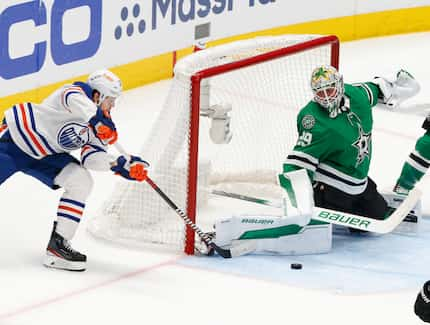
(411, 224)
(274, 235)
(298, 199)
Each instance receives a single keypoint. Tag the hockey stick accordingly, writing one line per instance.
(343, 218)
(226, 253)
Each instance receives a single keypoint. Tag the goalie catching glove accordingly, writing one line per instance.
(103, 127)
(132, 168)
(397, 91)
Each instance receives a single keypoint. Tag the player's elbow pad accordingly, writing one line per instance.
(96, 160)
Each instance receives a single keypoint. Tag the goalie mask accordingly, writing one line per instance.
(327, 87)
(107, 84)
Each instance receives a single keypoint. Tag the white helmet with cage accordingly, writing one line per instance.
(106, 83)
(327, 87)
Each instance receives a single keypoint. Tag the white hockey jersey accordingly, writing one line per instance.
(59, 124)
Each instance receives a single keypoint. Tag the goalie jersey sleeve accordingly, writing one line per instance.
(337, 151)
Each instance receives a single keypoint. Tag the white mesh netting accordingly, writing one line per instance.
(265, 99)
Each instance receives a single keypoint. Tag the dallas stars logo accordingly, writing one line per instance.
(363, 145)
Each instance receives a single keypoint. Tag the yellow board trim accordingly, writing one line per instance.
(348, 28)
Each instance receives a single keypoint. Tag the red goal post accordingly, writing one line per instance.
(196, 79)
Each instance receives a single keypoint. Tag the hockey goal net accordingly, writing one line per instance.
(265, 81)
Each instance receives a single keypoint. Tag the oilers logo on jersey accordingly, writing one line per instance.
(73, 136)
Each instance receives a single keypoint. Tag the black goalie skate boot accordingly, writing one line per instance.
(60, 255)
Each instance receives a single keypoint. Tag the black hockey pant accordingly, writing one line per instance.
(369, 204)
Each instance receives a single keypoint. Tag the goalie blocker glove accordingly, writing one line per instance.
(132, 168)
(103, 126)
(422, 303)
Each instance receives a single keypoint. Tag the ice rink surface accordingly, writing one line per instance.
(364, 280)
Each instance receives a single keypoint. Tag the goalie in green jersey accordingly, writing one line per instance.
(328, 167)
(335, 140)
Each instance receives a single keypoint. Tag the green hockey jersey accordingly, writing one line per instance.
(337, 151)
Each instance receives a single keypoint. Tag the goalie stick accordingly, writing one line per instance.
(343, 218)
(238, 250)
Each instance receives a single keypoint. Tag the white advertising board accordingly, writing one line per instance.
(45, 41)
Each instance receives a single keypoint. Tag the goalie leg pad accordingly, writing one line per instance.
(299, 197)
(312, 239)
(274, 235)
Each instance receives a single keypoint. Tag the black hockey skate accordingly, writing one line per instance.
(60, 255)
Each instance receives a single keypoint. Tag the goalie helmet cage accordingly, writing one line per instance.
(266, 80)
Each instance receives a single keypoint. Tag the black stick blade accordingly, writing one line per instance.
(226, 253)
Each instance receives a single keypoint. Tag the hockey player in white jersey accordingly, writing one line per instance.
(37, 139)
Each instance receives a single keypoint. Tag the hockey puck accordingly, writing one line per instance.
(296, 266)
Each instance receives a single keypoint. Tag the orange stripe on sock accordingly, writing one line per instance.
(63, 207)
